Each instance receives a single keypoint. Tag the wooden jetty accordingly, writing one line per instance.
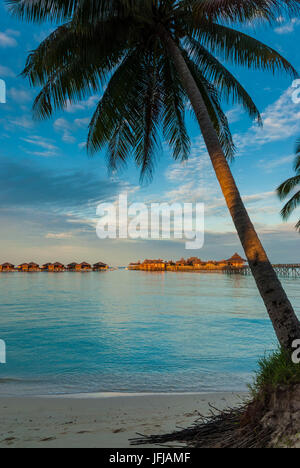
(283, 270)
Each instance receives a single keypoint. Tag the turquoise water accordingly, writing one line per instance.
(130, 331)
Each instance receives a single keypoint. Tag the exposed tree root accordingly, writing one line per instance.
(271, 420)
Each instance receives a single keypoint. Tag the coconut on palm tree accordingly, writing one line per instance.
(291, 186)
(150, 57)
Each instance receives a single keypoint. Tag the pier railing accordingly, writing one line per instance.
(284, 270)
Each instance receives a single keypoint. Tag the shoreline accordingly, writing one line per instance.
(102, 420)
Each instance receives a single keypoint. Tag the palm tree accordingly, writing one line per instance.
(150, 57)
(288, 187)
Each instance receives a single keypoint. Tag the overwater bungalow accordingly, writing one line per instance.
(84, 266)
(195, 262)
(7, 267)
(71, 266)
(134, 266)
(154, 265)
(100, 266)
(57, 266)
(23, 267)
(236, 261)
(33, 267)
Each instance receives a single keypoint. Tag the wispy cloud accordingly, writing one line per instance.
(268, 166)
(8, 38)
(281, 121)
(20, 95)
(65, 128)
(48, 148)
(23, 122)
(235, 114)
(6, 72)
(89, 103)
(59, 235)
(287, 26)
(41, 142)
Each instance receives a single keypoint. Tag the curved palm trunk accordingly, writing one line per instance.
(280, 310)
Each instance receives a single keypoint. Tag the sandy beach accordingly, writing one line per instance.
(100, 420)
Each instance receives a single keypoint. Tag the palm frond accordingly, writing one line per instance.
(39, 11)
(128, 115)
(288, 186)
(82, 11)
(116, 104)
(215, 72)
(149, 105)
(291, 205)
(297, 159)
(241, 49)
(211, 99)
(244, 11)
(102, 50)
(120, 147)
(174, 100)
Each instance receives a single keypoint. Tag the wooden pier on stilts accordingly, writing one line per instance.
(283, 270)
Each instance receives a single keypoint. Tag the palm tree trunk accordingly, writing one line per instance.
(280, 310)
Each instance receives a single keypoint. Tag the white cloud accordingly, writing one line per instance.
(59, 236)
(82, 145)
(287, 27)
(65, 127)
(82, 122)
(20, 95)
(235, 114)
(7, 38)
(281, 121)
(268, 166)
(83, 105)
(23, 122)
(37, 140)
(50, 150)
(6, 72)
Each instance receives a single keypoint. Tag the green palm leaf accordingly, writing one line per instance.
(222, 78)
(290, 206)
(212, 101)
(88, 11)
(241, 49)
(243, 11)
(174, 100)
(288, 186)
(144, 98)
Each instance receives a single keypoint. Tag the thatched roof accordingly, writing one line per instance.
(149, 262)
(32, 264)
(85, 264)
(236, 258)
(7, 265)
(100, 264)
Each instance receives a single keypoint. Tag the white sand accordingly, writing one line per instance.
(102, 421)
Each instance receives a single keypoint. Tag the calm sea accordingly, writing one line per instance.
(128, 331)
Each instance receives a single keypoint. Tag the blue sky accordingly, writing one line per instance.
(50, 188)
